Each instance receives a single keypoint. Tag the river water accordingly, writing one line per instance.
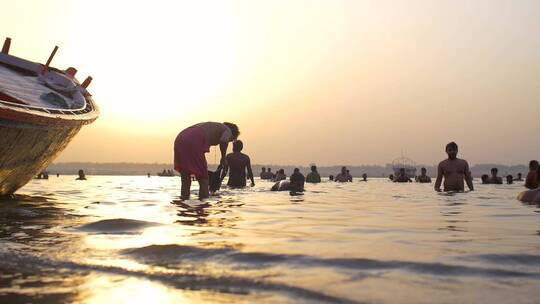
(126, 239)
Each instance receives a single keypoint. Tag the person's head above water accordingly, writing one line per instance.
(296, 170)
(509, 178)
(533, 164)
(269, 170)
(494, 171)
(452, 150)
(238, 145)
(263, 169)
(423, 170)
(484, 178)
(314, 168)
(234, 129)
(343, 170)
(519, 175)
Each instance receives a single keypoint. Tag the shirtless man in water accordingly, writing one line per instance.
(454, 170)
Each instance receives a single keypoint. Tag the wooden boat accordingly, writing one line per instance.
(41, 110)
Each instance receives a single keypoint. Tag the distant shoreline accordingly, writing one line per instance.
(71, 168)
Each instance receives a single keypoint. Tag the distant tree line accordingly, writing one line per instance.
(355, 170)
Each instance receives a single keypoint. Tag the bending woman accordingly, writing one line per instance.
(191, 145)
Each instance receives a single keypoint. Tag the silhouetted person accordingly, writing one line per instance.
(494, 179)
(391, 177)
(280, 175)
(531, 181)
(519, 177)
(81, 175)
(344, 176)
(237, 164)
(189, 149)
(269, 174)
(509, 179)
(364, 177)
(313, 176)
(297, 181)
(402, 177)
(423, 178)
(531, 196)
(331, 178)
(57, 174)
(484, 178)
(263, 173)
(454, 171)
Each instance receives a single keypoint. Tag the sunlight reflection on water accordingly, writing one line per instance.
(126, 239)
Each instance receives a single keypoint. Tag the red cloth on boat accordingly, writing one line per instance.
(189, 148)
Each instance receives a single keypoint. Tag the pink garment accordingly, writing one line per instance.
(189, 148)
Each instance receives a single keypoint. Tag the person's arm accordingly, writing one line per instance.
(439, 179)
(223, 148)
(224, 140)
(468, 179)
(225, 170)
(250, 172)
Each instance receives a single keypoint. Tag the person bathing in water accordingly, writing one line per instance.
(402, 177)
(190, 146)
(454, 171)
(423, 178)
(531, 181)
(344, 176)
(295, 184)
(494, 179)
(237, 164)
(531, 196)
(313, 176)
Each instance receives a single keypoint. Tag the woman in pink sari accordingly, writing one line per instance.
(191, 145)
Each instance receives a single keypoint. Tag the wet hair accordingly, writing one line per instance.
(533, 164)
(296, 170)
(263, 168)
(313, 168)
(423, 169)
(494, 170)
(484, 177)
(452, 145)
(234, 129)
(238, 145)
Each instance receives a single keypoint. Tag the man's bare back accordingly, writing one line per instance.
(216, 132)
(455, 172)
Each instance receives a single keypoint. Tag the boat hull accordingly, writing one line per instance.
(27, 149)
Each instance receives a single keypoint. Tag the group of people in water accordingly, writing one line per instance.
(192, 143)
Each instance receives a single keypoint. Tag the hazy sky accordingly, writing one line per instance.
(330, 82)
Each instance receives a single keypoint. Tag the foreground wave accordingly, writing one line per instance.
(165, 255)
